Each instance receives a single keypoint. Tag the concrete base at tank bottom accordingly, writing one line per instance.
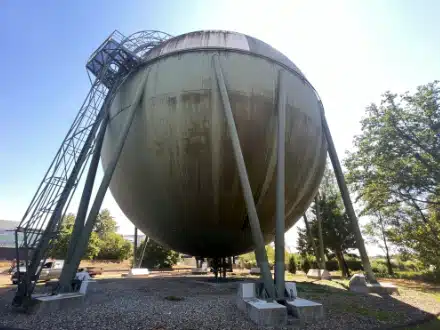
(319, 274)
(138, 272)
(264, 313)
(359, 284)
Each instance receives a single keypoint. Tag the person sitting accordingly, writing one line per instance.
(81, 275)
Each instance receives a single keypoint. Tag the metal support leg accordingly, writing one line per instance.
(254, 222)
(54, 219)
(135, 246)
(280, 190)
(94, 210)
(346, 198)
(321, 259)
(65, 281)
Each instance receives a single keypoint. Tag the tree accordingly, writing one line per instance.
(105, 224)
(114, 247)
(395, 167)
(292, 264)
(156, 256)
(303, 243)
(60, 245)
(310, 240)
(378, 236)
(336, 229)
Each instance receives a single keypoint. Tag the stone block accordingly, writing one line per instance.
(246, 292)
(255, 271)
(382, 288)
(62, 301)
(305, 310)
(359, 284)
(265, 313)
(357, 280)
(138, 272)
(320, 274)
(291, 290)
(199, 271)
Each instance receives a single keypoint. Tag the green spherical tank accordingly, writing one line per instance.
(177, 178)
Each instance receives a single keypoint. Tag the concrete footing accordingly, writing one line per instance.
(305, 310)
(255, 271)
(359, 284)
(264, 313)
(199, 271)
(138, 272)
(62, 301)
(319, 274)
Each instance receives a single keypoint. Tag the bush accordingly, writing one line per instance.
(354, 265)
(332, 265)
(305, 265)
(378, 267)
(157, 256)
(292, 265)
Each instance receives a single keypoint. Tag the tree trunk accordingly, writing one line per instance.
(321, 241)
(309, 233)
(342, 264)
(384, 238)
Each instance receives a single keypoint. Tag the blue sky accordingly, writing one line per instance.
(351, 51)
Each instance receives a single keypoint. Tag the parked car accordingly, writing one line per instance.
(93, 271)
(49, 270)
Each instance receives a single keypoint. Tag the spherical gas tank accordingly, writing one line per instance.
(177, 178)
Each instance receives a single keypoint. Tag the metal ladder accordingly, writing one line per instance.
(111, 64)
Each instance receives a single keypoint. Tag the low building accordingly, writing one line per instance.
(7, 240)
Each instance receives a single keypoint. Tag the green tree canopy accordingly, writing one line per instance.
(395, 167)
(105, 223)
(59, 247)
(156, 256)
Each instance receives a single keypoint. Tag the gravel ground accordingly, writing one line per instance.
(140, 304)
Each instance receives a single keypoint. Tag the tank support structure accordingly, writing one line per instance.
(260, 251)
(346, 197)
(80, 244)
(280, 228)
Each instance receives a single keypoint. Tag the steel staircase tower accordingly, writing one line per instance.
(110, 64)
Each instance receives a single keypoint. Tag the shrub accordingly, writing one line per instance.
(354, 265)
(292, 265)
(378, 267)
(305, 265)
(332, 265)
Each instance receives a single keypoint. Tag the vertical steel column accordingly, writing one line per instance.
(280, 190)
(321, 260)
(64, 283)
(346, 197)
(135, 246)
(94, 210)
(254, 222)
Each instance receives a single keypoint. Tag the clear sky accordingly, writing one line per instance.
(351, 51)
